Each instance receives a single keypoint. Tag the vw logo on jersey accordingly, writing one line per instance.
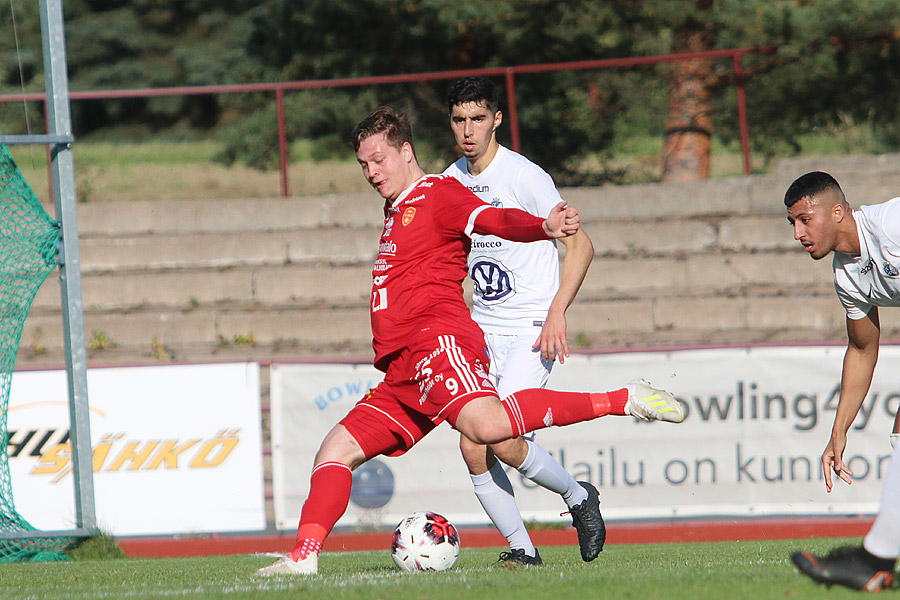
(492, 281)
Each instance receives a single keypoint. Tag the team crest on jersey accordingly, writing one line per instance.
(496, 203)
(890, 270)
(408, 215)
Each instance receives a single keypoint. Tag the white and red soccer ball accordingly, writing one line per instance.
(425, 541)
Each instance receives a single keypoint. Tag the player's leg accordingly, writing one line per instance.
(869, 567)
(484, 420)
(883, 539)
(523, 367)
(495, 494)
(895, 431)
(376, 425)
(491, 485)
(329, 495)
(581, 497)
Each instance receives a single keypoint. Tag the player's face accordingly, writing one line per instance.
(385, 167)
(473, 126)
(814, 224)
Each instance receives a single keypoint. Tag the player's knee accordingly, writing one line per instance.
(478, 457)
(484, 421)
(512, 451)
(486, 432)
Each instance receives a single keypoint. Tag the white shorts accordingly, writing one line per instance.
(515, 365)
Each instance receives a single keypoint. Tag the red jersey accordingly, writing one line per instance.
(417, 279)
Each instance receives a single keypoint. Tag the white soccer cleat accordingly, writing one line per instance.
(650, 404)
(287, 566)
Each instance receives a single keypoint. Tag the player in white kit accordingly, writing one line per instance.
(866, 246)
(520, 304)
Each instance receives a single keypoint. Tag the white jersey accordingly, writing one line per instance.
(873, 277)
(515, 282)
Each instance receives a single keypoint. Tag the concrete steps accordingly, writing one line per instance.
(704, 263)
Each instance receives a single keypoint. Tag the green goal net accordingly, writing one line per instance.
(28, 244)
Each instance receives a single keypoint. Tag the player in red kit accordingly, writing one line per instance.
(425, 342)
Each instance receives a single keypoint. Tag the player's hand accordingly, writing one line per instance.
(833, 460)
(562, 221)
(552, 340)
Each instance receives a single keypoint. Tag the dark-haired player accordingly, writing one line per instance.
(520, 303)
(866, 247)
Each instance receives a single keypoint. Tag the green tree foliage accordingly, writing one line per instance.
(833, 62)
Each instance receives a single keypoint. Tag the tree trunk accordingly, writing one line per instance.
(688, 126)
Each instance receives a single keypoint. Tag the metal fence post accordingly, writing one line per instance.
(742, 113)
(513, 114)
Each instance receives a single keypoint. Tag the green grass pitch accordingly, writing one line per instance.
(733, 570)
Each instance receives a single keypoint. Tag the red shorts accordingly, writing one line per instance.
(425, 385)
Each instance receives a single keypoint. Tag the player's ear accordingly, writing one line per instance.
(838, 211)
(498, 118)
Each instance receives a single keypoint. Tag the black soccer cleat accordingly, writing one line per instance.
(589, 523)
(851, 567)
(517, 556)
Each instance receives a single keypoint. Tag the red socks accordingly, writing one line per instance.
(533, 409)
(610, 403)
(329, 494)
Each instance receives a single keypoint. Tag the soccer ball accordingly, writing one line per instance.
(425, 541)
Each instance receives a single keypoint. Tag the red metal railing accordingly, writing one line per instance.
(736, 54)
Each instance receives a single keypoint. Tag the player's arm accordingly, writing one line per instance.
(520, 226)
(579, 254)
(856, 377)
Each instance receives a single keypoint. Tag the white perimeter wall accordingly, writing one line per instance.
(758, 420)
(178, 449)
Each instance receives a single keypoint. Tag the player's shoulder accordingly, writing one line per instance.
(457, 168)
(525, 170)
(444, 181)
(435, 182)
(518, 161)
(884, 216)
(436, 188)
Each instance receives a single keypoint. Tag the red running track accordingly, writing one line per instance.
(625, 532)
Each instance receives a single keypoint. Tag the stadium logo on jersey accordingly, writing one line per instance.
(492, 281)
(479, 189)
(890, 270)
(408, 215)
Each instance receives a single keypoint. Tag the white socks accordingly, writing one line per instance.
(543, 469)
(495, 493)
(883, 539)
